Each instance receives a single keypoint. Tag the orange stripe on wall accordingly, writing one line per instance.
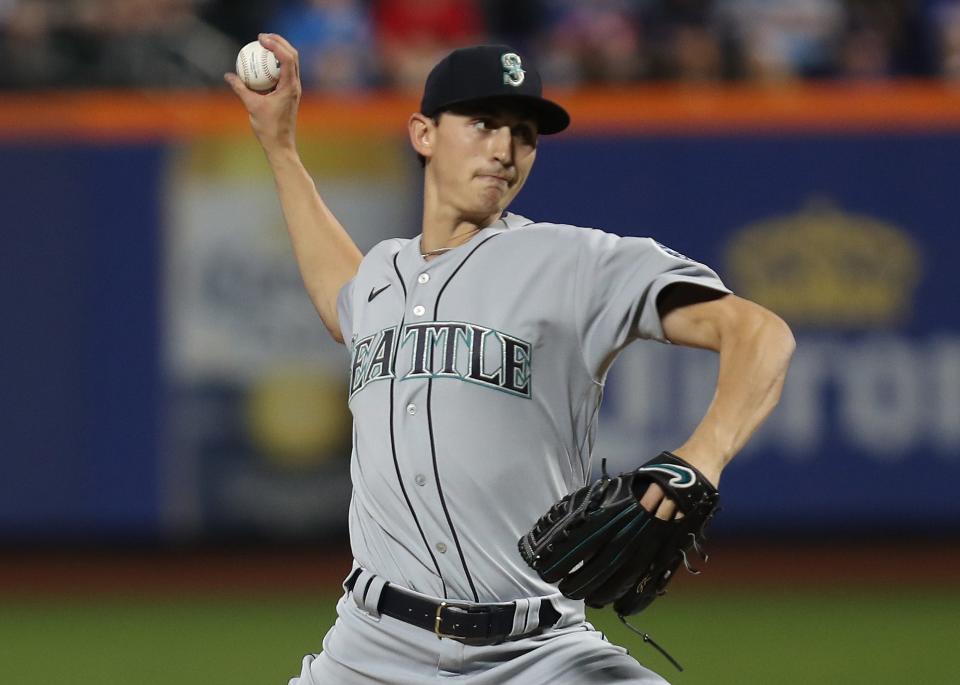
(149, 115)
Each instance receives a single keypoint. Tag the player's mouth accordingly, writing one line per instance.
(496, 178)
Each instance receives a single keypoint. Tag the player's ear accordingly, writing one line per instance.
(422, 132)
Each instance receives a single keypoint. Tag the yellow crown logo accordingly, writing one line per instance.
(825, 267)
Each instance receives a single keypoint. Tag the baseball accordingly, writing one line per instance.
(257, 67)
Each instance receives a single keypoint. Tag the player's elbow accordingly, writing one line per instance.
(770, 333)
(757, 326)
(772, 350)
(783, 336)
(779, 334)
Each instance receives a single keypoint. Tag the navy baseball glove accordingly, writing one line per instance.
(601, 546)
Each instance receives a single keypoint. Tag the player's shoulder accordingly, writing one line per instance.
(385, 249)
(563, 236)
(377, 263)
(379, 258)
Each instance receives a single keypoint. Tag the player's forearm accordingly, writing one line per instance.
(754, 356)
(325, 253)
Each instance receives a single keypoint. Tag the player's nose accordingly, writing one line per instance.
(502, 142)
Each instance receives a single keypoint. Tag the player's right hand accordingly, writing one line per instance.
(273, 115)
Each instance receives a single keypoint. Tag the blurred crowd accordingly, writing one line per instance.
(355, 45)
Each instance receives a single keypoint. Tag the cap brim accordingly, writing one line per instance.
(550, 117)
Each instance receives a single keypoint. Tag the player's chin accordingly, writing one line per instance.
(491, 201)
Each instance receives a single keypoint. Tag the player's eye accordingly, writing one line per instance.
(483, 124)
(525, 135)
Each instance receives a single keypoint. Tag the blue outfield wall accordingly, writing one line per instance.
(81, 343)
(870, 438)
(863, 229)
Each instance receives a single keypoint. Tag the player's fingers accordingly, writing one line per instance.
(274, 40)
(286, 54)
(651, 499)
(666, 510)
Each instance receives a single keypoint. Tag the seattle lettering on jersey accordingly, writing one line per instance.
(443, 349)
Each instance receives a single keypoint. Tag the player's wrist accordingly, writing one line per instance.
(710, 464)
(282, 156)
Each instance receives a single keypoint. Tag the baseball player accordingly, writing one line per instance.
(478, 352)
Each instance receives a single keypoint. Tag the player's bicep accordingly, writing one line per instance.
(699, 317)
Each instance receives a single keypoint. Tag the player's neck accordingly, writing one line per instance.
(449, 229)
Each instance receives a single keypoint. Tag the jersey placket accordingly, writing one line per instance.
(412, 416)
(413, 394)
(421, 462)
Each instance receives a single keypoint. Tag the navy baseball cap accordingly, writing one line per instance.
(490, 72)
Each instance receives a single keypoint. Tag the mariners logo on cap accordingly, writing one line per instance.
(513, 74)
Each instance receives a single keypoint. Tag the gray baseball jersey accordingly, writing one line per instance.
(475, 383)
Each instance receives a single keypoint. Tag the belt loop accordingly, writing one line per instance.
(361, 586)
(526, 616)
(351, 579)
(366, 593)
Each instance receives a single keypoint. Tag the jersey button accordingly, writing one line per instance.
(442, 548)
(419, 310)
(420, 479)
(423, 278)
(411, 409)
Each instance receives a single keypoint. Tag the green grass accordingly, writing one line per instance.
(807, 637)
(799, 639)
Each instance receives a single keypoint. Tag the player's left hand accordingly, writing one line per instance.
(601, 545)
(656, 500)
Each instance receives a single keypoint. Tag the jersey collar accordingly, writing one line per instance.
(411, 264)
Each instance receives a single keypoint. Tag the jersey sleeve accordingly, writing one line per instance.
(618, 282)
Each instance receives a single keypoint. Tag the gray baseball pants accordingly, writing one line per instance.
(363, 649)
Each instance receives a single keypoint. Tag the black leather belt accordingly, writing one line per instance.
(472, 624)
